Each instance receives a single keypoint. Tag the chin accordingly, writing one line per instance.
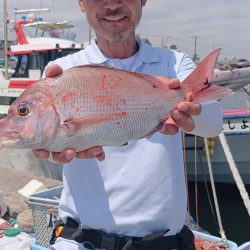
(119, 36)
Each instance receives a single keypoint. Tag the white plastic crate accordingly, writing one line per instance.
(44, 207)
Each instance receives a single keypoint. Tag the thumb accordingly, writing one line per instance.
(53, 70)
(172, 83)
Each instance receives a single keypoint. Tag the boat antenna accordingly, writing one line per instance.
(30, 11)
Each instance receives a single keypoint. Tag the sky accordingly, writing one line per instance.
(216, 23)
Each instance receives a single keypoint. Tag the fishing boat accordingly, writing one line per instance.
(236, 128)
(38, 42)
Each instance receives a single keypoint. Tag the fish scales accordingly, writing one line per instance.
(137, 106)
(105, 93)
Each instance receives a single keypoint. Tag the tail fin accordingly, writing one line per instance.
(197, 86)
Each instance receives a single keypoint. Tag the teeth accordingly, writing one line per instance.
(114, 18)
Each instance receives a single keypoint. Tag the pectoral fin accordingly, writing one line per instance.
(72, 126)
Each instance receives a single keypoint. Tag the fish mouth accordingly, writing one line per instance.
(8, 138)
(9, 134)
(8, 143)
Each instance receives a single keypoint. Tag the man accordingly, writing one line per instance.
(139, 189)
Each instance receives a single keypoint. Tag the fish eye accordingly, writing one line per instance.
(23, 109)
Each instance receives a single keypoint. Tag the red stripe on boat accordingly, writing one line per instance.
(236, 111)
(18, 84)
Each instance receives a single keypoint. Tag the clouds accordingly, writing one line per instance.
(217, 23)
(222, 23)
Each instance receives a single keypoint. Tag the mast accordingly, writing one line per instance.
(5, 38)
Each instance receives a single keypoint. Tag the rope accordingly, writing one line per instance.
(221, 231)
(196, 181)
(206, 186)
(235, 172)
(186, 179)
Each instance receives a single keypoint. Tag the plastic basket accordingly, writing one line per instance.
(34, 246)
(44, 207)
(231, 245)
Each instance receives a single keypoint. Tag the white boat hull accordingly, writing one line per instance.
(239, 147)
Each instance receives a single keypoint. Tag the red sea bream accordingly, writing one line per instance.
(95, 105)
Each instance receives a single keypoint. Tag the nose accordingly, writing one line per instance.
(113, 4)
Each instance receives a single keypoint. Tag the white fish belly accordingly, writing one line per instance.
(110, 133)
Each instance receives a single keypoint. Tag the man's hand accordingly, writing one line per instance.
(180, 118)
(68, 154)
(53, 71)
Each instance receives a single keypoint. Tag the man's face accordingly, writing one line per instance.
(113, 20)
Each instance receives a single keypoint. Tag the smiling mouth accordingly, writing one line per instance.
(114, 18)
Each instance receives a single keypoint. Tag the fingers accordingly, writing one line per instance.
(68, 154)
(169, 127)
(182, 115)
(172, 83)
(183, 121)
(53, 70)
(41, 154)
(181, 118)
(64, 156)
(92, 152)
(191, 108)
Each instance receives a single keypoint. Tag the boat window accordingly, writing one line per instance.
(45, 58)
(7, 100)
(21, 69)
(12, 61)
(54, 54)
(66, 52)
(38, 60)
(34, 61)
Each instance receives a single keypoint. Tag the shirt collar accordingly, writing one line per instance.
(146, 53)
(94, 54)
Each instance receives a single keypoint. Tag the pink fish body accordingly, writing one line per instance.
(95, 105)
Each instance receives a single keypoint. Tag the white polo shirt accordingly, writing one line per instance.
(139, 188)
